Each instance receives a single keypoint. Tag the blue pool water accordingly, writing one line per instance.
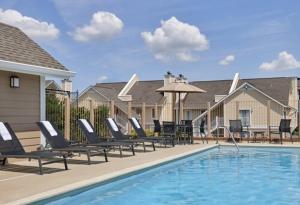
(255, 176)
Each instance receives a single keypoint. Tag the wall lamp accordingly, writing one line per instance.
(14, 82)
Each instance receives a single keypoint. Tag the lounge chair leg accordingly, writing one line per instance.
(291, 138)
(281, 138)
(120, 148)
(153, 145)
(4, 161)
(88, 154)
(132, 148)
(105, 155)
(40, 166)
(65, 162)
(144, 146)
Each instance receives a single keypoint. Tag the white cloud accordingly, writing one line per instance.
(284, 61)
(227, 60)
(102, 78)
(34, 28)
(175, 40)
(103, 26)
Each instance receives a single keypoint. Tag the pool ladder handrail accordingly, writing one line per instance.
(231, 136)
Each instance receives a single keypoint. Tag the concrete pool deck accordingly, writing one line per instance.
(22, 185)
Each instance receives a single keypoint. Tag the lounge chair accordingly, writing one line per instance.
(94, 140)
(58, 143)
(142, 135)
(10, 147)
(284, 127)
(118, 135)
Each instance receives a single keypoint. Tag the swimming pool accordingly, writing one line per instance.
(217, 176)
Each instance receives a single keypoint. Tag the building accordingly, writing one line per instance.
(246, 99)
(24, 66)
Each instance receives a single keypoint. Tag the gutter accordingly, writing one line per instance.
(35, 70)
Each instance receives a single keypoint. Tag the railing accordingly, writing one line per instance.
(232, 138)
(123, 123)
(257, 113)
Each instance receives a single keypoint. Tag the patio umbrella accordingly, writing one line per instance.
(179, 87)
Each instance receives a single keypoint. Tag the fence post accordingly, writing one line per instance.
(92, 114)
(156, 111)
(129, 115)
(268, 117)
(237, 107)
(67, 113)
(112, 109)
(208, 120)
(144, 115)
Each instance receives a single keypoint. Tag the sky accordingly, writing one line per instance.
(110, 40)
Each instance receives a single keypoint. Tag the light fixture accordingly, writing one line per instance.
(14, 82)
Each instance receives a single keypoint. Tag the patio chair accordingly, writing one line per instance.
(284, 127)
(187, 130)
(58, 143)
(10, 147)
(157, 127)
(235, 126)
(142, 135)
(94, 140)
(169, 129)
(119, 136)
(203, 134)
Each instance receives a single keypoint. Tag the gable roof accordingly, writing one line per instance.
(111, 91)
(51, 84)
(16, 46)
(145, 91)
(276, 88)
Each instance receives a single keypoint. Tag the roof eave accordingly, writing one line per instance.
(34, 70)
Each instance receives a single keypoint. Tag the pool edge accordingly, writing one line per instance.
(107, 177)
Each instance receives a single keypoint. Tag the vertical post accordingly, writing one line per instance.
(156, 111)
(181, 110)
(129, 115)
(67, 86)
(173, 107)
(237, 108)
(67, 113)
(144, 115)
(92, 114)
(208, 120)
(112, 109)
(42, 106)
(268, 118)
(298, 119)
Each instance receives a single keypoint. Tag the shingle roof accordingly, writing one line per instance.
(276, 88)
(16, 46)
(145, 91)
(111, 91)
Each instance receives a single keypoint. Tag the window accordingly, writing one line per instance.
(188, 115)
(245, 117)
(153, 113)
